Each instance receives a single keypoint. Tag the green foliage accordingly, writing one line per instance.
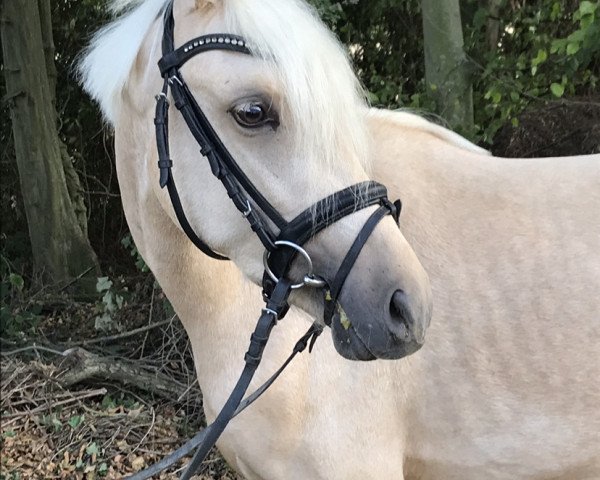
(102, 469)
(332, 13)
(584, 43)
(107, 307)
(10, 476)
(127, 242)
(111, 403)
(386, 46)
(51, 422)
(18, 312)
(92, 449)
(547, 49)
(75, 421)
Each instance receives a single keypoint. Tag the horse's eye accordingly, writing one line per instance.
(254, 114)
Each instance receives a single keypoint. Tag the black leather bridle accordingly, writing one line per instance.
(283, 240)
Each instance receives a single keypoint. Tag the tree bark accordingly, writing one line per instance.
(73, 184)
(446, 67)
(60, 249)
(492, 34)
(83, 366)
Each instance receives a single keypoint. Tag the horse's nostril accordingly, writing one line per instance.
(400, 316)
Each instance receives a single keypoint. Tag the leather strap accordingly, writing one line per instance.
(204, 43)
(315, 219)
(335, 287)
(165, 165)
(276, 306)
(307, 340)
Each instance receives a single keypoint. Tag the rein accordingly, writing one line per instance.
(282, 240)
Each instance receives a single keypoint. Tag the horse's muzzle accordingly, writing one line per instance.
(398, 337)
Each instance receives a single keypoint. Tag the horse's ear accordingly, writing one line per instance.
(206, 4)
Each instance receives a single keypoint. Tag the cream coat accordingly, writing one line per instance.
(506, 386)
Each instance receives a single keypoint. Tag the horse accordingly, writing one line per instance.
(508, 249)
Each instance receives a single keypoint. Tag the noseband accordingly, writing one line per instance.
(283, 240)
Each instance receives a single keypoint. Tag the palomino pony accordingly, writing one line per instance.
(505, 387)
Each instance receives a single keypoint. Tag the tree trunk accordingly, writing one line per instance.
(73, 184)
(60, 249)
(446, 67)
(492, 34)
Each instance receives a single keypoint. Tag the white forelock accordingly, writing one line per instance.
(321, 91)
(107, 63)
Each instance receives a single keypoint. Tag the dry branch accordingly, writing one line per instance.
(127, 334)
(83, 365)
(50, 406)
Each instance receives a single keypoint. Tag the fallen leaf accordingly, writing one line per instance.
(138, 463)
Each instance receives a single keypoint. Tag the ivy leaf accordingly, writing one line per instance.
(557, 89)
(103, 284)
(541, 57)
(587, 8)
(16, 281)
(572, 48)
(558, 45)
(103, 469)
(75, 421)
(92, 449)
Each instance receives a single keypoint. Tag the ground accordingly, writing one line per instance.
(104, 407)
(560, 128)
(85, 433)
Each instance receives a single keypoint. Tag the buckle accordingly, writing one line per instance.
(174, 78)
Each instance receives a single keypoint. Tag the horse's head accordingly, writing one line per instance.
(291, 115)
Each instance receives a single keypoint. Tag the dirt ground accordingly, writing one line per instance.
(559, 128)
(49, 432)
(103, 408)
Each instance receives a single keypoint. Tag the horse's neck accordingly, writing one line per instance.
(203, 291)
(498, 228)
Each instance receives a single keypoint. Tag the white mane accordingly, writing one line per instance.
(109, 59)
(321, 90)
(406, 118)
